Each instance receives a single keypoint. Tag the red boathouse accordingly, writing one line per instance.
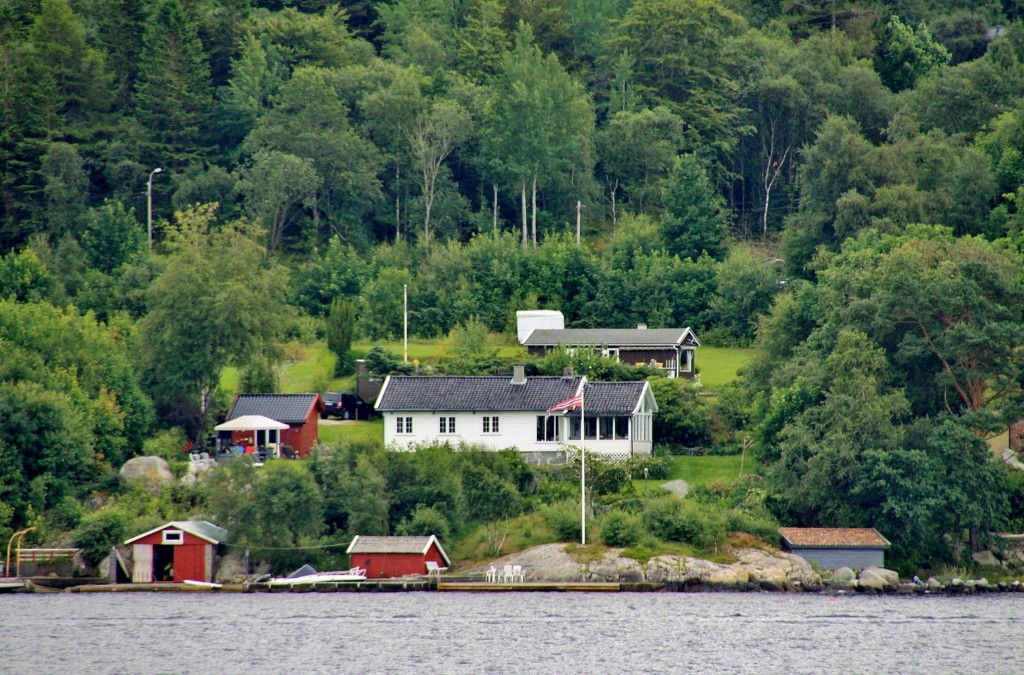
(387, 557)
(179, 550)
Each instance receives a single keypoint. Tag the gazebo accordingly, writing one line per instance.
(256, 424)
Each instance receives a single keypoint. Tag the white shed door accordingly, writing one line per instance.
(142, 568)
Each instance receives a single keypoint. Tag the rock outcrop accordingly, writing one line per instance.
(753, 569)
(152, 472)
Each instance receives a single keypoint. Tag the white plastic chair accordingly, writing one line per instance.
(506, 575)
(492, 575)
(517, 573)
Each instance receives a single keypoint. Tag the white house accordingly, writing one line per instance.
(503, 412)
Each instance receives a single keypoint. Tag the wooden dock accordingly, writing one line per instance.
(543, 586)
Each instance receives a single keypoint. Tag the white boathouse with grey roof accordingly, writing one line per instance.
(497, 413)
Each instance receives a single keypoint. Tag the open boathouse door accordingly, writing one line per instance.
(182, 550)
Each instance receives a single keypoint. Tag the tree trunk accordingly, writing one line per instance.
(522, 200)
(494, 211)
(612, 191)
(533, 211)
(398, 205)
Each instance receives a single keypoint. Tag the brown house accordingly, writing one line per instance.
(301, 412)
(670, 349)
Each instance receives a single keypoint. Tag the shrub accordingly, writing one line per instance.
(99, 532)
(762, 526)
(426, 521)
(610, 479)
(673, 519)
(657, 467)
(564, 519)
(619, 528)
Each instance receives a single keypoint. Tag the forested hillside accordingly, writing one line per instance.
(191, 184)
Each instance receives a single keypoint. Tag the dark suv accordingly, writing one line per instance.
(345, 405)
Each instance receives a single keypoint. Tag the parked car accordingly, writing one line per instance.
(346, 405)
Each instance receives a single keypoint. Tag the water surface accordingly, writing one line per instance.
(509, 633)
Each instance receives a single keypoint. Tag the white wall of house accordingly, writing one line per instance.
(518, 429)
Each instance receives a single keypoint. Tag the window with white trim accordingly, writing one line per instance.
(491, 425)
(403, 425)
(548, 428)
(173, 537)
(447, 425)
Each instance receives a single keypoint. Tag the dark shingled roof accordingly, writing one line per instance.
(287, 408)
(461, 393)
(611, 398)
(833, 537)
(420, 392)
(609, 337)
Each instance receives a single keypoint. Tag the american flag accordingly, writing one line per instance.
(567, 404)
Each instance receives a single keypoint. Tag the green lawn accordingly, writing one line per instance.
(708, 469)
(701, 470)
(350, 430)
(718, 365)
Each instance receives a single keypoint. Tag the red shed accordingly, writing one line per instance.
(384, 557)
(179, 550)
(301, 412)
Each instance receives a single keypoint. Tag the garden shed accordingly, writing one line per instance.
(386, 557)
(834, 547)
(300, 412)
(177, 551)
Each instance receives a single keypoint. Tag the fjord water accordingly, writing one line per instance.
(509, 633)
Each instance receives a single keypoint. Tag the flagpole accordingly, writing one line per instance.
(583, 467)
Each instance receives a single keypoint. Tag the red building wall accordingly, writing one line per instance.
(189, 556)
(390, 565)
(300, 437)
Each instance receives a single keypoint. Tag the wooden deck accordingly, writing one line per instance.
(549, 586)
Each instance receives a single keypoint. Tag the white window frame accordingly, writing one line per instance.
(490, 425)
(407, 426)
(173, 537)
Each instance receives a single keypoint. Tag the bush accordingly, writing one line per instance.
(99, 532)
(763, 526)
(657, 467)
(167, 444)
(619, 528)
(564, 519)
(425, 522)
(673, 519)
(610, 479)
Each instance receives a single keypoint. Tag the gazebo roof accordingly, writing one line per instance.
(250, 423)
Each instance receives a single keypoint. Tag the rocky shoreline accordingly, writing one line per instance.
(754, 570)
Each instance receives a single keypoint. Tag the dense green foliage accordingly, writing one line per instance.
(837, 184)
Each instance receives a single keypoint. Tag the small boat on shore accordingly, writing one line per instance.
(201, 584)
(314, 577)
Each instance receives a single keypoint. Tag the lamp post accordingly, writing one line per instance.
(149, 206)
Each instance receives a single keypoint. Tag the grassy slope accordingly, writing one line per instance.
(718, 366)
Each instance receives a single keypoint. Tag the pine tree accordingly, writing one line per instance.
(173, 96)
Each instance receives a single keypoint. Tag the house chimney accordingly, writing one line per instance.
(641, 326)
(518, 374)
(567, 372)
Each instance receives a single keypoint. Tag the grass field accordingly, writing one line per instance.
(718, 365)
(351, 430)
(701, 470)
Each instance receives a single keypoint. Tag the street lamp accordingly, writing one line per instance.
(149, 205)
